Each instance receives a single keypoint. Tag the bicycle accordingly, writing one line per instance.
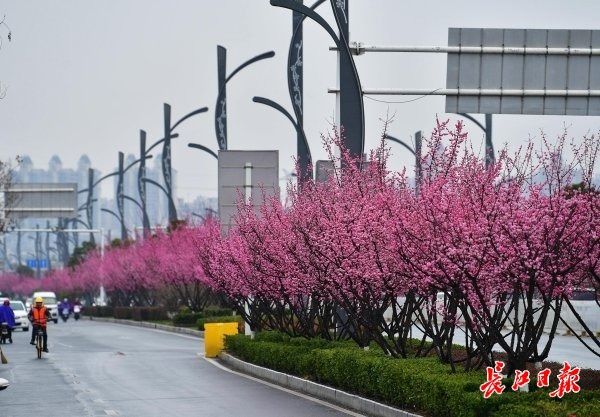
(39, 342)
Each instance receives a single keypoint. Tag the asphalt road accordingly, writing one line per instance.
(97, 369)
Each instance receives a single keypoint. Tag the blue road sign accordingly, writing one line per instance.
(33, 263)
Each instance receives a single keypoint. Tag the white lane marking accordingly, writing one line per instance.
(289, 391)
(111, 412)
(62, 344)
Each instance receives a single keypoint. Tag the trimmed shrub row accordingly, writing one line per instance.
(186, 317)
(96, 311)
(129, 313)
(221, 319)
(424, 385)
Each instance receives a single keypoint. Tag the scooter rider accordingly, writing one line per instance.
(39, 316)
(76, 307)
(64, 309)
(7, 316)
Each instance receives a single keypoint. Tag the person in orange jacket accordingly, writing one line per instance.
(39, 316)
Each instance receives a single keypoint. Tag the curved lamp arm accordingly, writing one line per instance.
(203, 148)
(299, 130)
(292, 62)
(308, 12)
(85, 205)
(148, 180)
(356, 91)
(251, 61)
(133, 200)
(474, 120)
(221, 103)
(137, 161)
(151, 181)
(187, 116)
(199, 215)
(105, 210)
(81, 222)
(158, 142)
(400, 142)
(112, 174)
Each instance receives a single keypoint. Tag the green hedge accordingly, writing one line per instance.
(424, 385)
(140, 313)
(216, 312)
(123, 313)
(149, 313)
(220, 319)
(187, 317)
(96, 311)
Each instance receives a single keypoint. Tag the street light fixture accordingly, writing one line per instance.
(350, 98)
(416, 153)
(303, 149)
(166, 153)
(164, 190)
(490, 156)
(223, 79)
(203, 148)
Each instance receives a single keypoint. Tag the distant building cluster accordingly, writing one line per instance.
(30, 248)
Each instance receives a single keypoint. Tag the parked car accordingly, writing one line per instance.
(50, 302)
(21, 321)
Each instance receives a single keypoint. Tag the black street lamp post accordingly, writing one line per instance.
(295, 78)
(142, 185)
(223, 79)
(490, 156)
(416, 153)
(350, 105)
(303, 149)
(169, 128)
(203, 148)
(164, 190)
(120, 172)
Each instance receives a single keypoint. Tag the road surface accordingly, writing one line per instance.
(98, 369)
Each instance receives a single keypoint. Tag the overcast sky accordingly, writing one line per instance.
(84, 76)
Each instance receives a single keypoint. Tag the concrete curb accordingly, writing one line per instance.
(322, 392)
(149, 325)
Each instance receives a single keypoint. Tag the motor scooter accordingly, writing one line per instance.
(76, 312)
(64, 314)
(5, 333)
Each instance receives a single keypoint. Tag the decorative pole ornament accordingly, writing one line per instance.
(142, 184)
(296, 90)
(490, 156)
(166, 162)
(89, 208)
(304, 155)
(221, 105)
(223, 79)
(350, 100)
(120, 198)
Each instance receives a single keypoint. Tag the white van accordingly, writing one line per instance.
(49, 301)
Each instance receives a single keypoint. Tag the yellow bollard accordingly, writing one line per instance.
(214, 337)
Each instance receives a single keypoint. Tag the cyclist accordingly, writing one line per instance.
(7, 316)
(39, 316)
